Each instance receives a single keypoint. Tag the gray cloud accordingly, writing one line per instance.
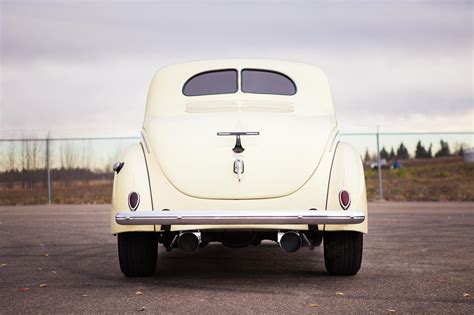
(81, 64)
(96, 30)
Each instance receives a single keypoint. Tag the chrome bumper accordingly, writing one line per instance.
(310, 217)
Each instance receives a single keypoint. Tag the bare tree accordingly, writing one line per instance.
(24, 155)
(25, 166)
(86, 160)
(33, 150)
(28, 164)
(11, 156)
(68, 163)
(68, 158)
(10, 162)
(86, 155)
(3, 159)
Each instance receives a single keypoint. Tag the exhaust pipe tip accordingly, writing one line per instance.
(289, 241)
(189, 241)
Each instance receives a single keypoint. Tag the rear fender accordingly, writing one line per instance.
(132, 177)
(347, 173)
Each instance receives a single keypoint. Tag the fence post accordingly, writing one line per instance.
(48, 170)
(379, 167)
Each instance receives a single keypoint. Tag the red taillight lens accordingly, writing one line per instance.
(133, 200)
(344, 199)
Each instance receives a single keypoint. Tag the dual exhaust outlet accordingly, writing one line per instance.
(289, 241)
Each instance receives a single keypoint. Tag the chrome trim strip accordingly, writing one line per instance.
(237, 133)
(311, 217)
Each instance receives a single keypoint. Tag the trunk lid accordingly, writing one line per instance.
(277, 162)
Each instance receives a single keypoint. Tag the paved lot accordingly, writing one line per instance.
(419, 258)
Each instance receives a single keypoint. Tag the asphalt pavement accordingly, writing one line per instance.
(418, 258)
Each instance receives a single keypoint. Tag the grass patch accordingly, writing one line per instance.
(447, 179)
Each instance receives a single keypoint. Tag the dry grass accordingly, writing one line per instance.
(74, 193)
(448, 179)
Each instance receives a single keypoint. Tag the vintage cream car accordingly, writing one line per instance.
(239, 151)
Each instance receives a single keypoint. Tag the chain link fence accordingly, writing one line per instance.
(424, 152)
(78, 170)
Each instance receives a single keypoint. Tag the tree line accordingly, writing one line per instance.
(24, 163)
(421, 152)
(37, 177)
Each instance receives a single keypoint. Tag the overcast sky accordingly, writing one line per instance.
(82, 68)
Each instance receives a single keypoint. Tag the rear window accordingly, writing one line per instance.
(212, 82)
(267, 82)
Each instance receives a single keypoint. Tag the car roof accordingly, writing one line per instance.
(313, 93)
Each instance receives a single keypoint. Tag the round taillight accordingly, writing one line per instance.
(344, 199)
(133, 200)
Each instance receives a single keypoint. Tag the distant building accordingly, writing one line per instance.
(383, 164)
(469, 155)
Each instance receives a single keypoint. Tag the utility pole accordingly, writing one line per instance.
(48, 169)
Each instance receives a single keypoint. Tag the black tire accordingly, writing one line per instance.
(138, 253)
(343, 252)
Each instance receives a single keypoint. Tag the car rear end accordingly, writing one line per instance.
(239, 152)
